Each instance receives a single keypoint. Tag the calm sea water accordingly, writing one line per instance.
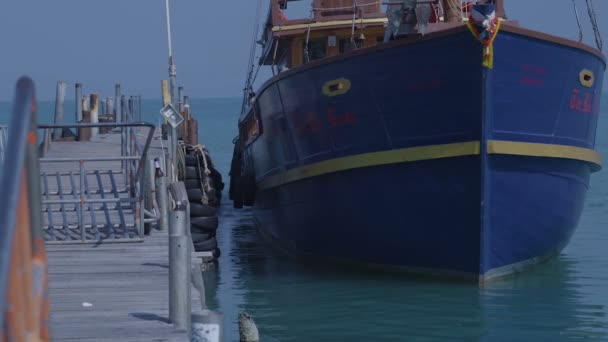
(561, 300)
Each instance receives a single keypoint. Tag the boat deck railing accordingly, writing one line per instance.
(24, 308)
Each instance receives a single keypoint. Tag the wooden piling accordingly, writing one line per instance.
(86, 104)
(94, 115)
(78, 102)
(180, 99)
(117, 106)
(59, 107)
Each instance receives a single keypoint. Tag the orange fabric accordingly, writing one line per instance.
(27, 314)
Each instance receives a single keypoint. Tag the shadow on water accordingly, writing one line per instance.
(293, 301)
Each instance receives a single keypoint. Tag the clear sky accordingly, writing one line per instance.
(99, 43)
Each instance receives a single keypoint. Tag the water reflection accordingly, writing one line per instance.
(295, 302)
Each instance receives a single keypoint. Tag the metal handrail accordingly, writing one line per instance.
(3, 140)
(133, 157)
(23, 262)
(132, 125)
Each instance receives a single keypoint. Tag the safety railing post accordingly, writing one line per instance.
(179, 259)
(82, 202)
(161, 196)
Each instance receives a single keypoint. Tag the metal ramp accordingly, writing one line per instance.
(92, 190)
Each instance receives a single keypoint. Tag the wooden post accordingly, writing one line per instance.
(117, 106)
(110, 108)
(180, 97)
(84, 134)
(78, 102)
(94, 114)
(59, 107)
(86, 104)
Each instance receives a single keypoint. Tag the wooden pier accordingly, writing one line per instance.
(110, 291)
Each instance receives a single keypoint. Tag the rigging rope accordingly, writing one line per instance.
(596, 31)
(312, 15)
(578, 22)
(248, 79)
(352, 32)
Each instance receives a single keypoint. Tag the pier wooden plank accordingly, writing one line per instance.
(108, 291)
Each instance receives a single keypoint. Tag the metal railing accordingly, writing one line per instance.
(3, 141)
(24, 305)
(133, 162)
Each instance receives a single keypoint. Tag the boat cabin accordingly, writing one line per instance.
(338, 26)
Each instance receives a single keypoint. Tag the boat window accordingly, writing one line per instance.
(316, 49)
(346, 44)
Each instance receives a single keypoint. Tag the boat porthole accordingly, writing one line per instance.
(336, 87)
(586, 78)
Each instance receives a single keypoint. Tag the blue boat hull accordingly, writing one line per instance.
(429, 161)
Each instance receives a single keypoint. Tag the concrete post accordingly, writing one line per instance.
(179, 259)
(59, 107)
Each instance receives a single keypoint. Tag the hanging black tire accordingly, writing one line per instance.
(192, 172)
(203, 224)
(206, 246)
(191, 160)
(196, 195)
(217, 179)
(200, 237)
(217, 253)
(192, 184)
(198, 209)
(248, 188)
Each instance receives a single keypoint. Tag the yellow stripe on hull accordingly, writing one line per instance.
(544, 150)
(412, 154)
(403, 155)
